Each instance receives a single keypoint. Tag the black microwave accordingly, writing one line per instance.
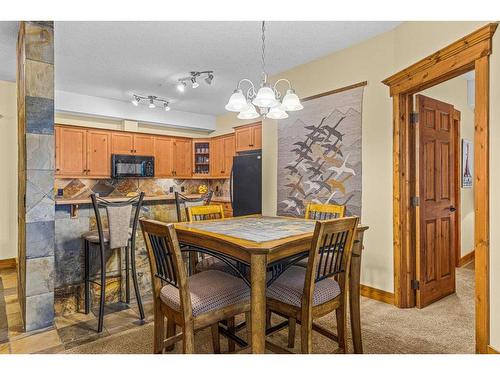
(132, 166)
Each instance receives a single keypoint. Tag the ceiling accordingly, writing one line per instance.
(114, 59)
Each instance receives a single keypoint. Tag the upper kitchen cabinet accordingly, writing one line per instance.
(98, 153)
(248, 137)
(164, 156)
(82, 152)
(223, 150)
(173, 157)
(183, 157)
(71, 151)
(132, 144)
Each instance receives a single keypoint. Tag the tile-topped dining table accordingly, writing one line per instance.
(263, 243)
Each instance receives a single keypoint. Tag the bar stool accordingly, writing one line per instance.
(118, 235)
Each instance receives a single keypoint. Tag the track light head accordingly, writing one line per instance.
(136, 100)
(166, 107)
(181, 86)
(194, 83)
(209, 79)
(151, 102)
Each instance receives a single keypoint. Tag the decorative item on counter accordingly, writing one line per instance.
(202, 189)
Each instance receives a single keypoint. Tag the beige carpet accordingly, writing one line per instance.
(446, 326)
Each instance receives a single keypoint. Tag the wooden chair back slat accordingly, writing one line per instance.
(165, 260)
(330, 253)
(210, 212)
(316, 211)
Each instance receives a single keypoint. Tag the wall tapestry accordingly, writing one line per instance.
(319, 154)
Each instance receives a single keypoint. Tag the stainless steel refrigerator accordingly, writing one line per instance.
(246, 183)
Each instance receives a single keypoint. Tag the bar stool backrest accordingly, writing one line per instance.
(182, 203)
(99, 202)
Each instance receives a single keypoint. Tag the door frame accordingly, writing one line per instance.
(468, 53)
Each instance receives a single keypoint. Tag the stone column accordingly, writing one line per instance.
(36, 210)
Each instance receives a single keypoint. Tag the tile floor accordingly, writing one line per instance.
(68, 332)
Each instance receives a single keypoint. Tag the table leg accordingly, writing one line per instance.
(258, 302)
(354, 281)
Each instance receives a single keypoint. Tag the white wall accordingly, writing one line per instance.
(8, 170)
(454, 92)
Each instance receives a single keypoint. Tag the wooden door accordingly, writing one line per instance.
(229, 151)
(164, 156)
(122, 143)
(243, 138)
(437, 215)
(143, 145)
(72, 151)
(183, 157)
(98, 153)
(256, 137)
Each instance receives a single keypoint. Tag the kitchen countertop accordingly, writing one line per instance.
(167, 197)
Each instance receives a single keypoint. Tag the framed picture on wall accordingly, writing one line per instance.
(467, 163)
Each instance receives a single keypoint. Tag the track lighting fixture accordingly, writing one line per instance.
(207, 75)
(151, 100)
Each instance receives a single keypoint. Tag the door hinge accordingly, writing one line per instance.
(413, 118)
(415, 284)
(415, 201)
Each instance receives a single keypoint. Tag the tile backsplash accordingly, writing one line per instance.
(82, 188)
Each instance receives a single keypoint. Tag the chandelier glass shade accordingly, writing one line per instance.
(268, 99)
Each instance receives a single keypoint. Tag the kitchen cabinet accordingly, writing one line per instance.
(98, 153)
(228, 209)
(132, 144)
(183, 157)
(164, 156)
(82, 153)
(71, 155)
(202, 153)
(248, 137)
(223, 150)
(173, 157)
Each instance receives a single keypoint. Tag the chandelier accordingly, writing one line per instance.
(266, 99)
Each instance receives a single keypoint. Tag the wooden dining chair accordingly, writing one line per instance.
(193, 303)
(317, 211)
(305, 294)
(209, 212)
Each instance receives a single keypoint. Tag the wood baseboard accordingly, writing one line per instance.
(466, 259)
(377, 294)
(8, 263)
(492, 350)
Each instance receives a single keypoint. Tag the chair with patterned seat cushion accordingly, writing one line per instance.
(120, 234)
(304, 294)
(193, 303)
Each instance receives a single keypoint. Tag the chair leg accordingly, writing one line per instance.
(292, 323)
(188, 339)
(103, 289)
(230, 343)
(136, 284)
(127, 276)
(306, 335)
(268, 319)
(86, 251)
(215, 338)
(171, 328)
(159, 328)
(249, 328)
(342, 327)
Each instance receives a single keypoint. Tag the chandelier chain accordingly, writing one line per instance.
(263, 47)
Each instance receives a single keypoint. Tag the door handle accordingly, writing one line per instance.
(452, 209)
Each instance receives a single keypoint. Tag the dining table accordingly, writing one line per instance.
(262, 247)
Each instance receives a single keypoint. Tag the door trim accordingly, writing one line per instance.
(468, 53)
